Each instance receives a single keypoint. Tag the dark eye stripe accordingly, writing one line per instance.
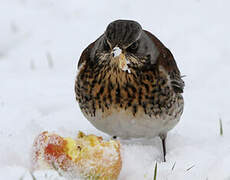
(134, 45)
(106, 45)
(133, 48)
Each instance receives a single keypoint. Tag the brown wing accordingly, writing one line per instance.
(85, 55)
(166, 60)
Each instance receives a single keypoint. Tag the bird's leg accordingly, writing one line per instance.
(164, 148)
(163, 138)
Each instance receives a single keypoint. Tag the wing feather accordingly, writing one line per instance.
(166, 60)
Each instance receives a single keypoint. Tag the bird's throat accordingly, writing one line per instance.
(121, 62)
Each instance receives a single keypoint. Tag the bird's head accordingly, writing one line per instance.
(124, 40)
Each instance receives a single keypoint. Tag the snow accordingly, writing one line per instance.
(40, 44)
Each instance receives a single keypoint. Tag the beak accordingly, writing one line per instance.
(116, 52)
(122, 61)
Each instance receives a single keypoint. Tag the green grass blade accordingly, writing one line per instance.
(173, 166)
(221, 127)
(155, 172)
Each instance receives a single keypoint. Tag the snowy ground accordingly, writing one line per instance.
(40, 43)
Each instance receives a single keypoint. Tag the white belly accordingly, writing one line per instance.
(123, 124)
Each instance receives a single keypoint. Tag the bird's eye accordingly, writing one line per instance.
(106, 46)
(133, 48)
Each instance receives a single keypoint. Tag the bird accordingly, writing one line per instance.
(128, 84)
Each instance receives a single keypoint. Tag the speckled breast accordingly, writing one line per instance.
(118, 102)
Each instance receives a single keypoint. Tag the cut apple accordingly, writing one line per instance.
(87, 156)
